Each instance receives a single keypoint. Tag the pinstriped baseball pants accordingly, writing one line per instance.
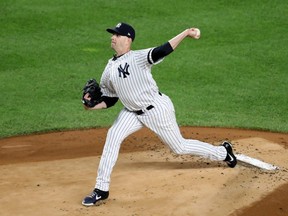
(161, 120)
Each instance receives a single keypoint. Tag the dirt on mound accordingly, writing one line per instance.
(49, 174)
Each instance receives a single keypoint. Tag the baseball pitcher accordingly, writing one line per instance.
(127, 77)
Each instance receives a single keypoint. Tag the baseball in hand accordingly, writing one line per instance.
(196, 33)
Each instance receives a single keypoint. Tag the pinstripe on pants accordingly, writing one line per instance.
(161, 120)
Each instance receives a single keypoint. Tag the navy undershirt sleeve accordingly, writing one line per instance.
(160, 52)
(110, 101)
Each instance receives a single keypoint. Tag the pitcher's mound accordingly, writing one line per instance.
(50, 174)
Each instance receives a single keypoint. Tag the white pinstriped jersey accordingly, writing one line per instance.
(129, 78)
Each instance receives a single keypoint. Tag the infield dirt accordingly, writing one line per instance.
(49, 174)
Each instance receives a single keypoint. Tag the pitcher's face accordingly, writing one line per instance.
(119, 42)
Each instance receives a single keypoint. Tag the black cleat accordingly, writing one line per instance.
(230, 159)
(95, 197)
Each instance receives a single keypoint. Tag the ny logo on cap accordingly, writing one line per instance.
(118, 25)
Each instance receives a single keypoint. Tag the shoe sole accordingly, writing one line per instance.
(100, 202)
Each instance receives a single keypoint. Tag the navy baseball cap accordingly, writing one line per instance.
(123, 29)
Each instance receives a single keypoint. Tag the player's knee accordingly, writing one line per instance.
(178, 150)
(113, 134)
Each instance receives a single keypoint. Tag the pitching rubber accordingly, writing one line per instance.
(255, 162)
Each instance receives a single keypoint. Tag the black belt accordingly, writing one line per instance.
(140, 112)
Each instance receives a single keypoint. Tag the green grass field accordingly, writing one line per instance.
(234, 76)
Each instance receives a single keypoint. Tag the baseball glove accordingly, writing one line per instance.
(93, 89)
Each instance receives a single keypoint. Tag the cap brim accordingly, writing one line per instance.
(116, 31)
(113, 31)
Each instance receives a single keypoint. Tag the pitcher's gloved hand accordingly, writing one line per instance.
(91, 93)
